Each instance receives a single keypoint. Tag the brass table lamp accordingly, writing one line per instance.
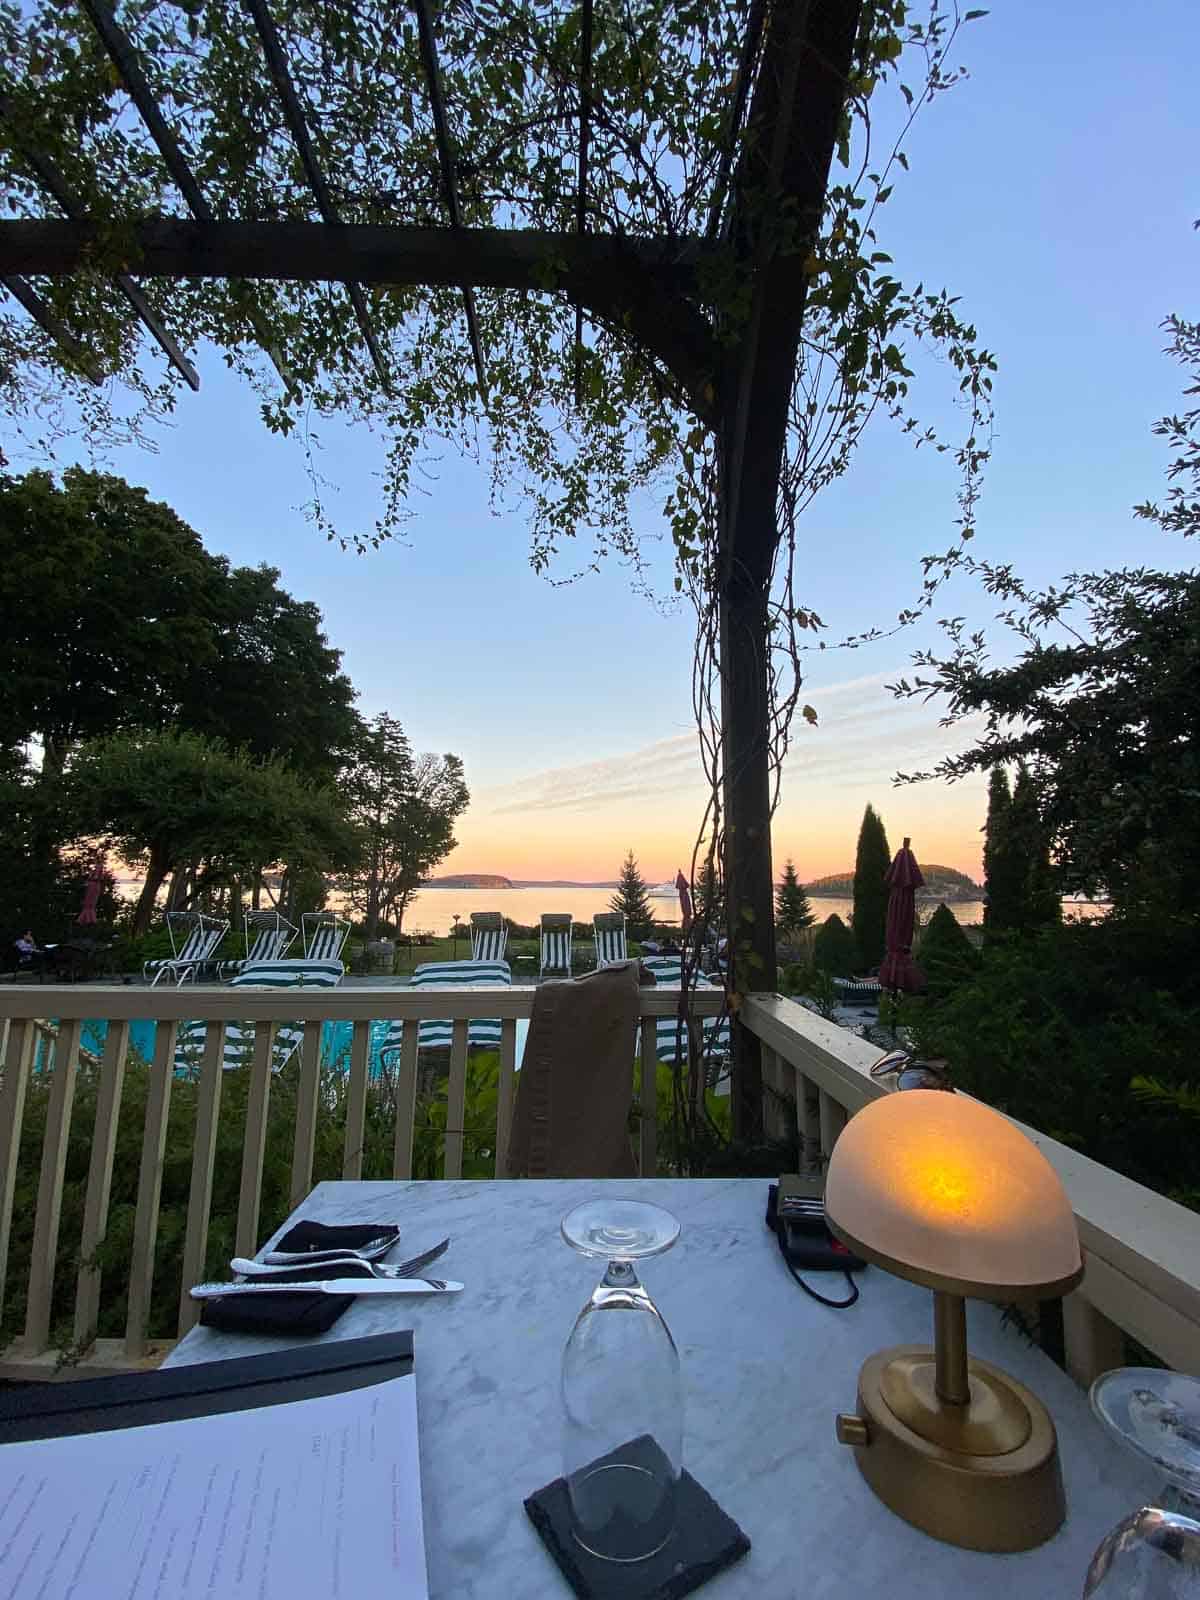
(940, 1189)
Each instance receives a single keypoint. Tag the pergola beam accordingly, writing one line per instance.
(640, 284)
(124, 57)
(49, 323)
(297, 123)
(60, 191)
(441, 130)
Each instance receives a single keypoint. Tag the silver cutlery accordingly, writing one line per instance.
(353, 1265)
(217, 1291)
(371, 1251)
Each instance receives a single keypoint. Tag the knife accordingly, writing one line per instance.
(213, 1291)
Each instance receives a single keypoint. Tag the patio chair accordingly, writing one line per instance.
(482, 1033)
(268, 937)
(239, 1036)
(325, 935)
(556, 943)
(575, 1087)
(189, 950)
(608, 929)
(489, 936)
(670, 1038)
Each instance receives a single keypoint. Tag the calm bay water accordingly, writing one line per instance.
(433, 910)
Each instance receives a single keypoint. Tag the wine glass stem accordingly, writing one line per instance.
(620, 1275)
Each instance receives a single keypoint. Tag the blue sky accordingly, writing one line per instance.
(1054, 192)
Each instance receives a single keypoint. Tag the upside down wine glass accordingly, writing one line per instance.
(621, 1389)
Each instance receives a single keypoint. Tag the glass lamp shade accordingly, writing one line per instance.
(940, 1189)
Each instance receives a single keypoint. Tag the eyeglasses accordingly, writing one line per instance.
(912, 1074)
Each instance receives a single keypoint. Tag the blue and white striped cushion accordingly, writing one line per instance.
(611, 946)
(670, 1037)
(556, 949)
(488, 944)
(482, 1033)
(239, 1036)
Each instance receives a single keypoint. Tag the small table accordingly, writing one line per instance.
(765, 1369)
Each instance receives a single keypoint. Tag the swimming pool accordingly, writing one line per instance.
(335, 1042)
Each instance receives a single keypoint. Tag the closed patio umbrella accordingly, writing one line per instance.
(91, 895)
(898, 970)
(685, 898)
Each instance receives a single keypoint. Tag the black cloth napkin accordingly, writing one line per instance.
(275, 1313)
(323, 1236)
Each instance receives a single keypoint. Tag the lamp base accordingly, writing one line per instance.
(984, 1475)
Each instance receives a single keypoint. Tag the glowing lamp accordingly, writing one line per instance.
(942, 1190)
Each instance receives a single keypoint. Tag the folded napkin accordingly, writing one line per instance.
(275, 1313)
(323, 1236)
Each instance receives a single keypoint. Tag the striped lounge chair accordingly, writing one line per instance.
(324, 935)
(489, 936)
(239, 1036)
(194, 937)
(268, 936)
(608, 929)
(556, 943)
(482, 1033)
(669, 1038)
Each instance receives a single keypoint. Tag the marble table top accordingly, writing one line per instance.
(764, 1367)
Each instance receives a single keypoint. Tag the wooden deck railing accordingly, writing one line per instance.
(53, 1017)
(1142, 1251)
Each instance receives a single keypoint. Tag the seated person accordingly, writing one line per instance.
(26, 946)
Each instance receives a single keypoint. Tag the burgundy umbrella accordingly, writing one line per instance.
(685, 898)
(91, 895)
(898, 970)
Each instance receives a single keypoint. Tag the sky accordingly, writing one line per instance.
(1054, 193)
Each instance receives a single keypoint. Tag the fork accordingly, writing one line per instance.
(347, 1266)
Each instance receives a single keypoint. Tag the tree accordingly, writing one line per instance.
(945, 955)
(709, 907)
(114, 616)
(1040, 902)
(631, 899)
(162, 799)
(792, 910)
(834, 949)
(404, 810)
(871, 862)
(1001, 884)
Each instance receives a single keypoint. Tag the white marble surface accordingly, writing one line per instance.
(765, 1369)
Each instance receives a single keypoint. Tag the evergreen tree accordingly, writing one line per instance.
(792, 910)
(871, 863)
(997, 855)
(834, 949)
(1039, 901)
(709, 908)
(946, 956)
(632, 899)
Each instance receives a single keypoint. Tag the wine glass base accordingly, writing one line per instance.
(623, 1504)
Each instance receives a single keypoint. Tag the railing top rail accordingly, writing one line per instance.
(121, 1003)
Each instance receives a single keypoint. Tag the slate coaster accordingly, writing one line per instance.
(705, 1541)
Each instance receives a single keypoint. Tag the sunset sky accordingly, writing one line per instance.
(1054, 192)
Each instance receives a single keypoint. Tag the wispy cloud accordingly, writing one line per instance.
(861, 733)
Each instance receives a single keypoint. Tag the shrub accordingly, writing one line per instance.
(834, 949)
(946, 955)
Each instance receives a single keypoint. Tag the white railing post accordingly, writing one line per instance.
(204, 1153)
(22, 1036)
(406, 1103)
(145, 1221)
(456, 1099)
(1094, 1345)
(254, 1148)
(505, 1093)
(50, 1187)
(99, 1184)
(306, 1113)
(356, 1102)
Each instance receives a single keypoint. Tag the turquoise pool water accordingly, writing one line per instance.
(335, 1041)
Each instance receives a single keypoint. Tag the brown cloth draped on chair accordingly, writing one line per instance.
(575, 1086)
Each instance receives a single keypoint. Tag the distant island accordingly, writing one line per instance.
(941, 883)
(494, 880)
